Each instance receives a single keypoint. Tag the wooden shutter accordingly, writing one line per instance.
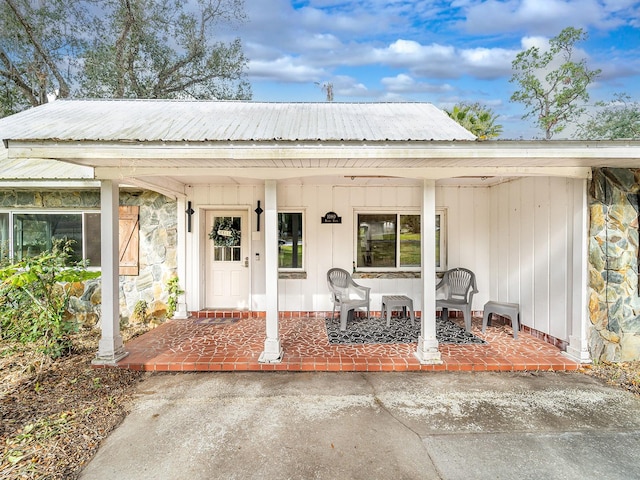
(128, 228)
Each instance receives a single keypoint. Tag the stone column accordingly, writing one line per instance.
(427, 351)
(272, 349)
(110, 347)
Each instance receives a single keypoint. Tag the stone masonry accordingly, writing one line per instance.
(157, 253)
(614, 301)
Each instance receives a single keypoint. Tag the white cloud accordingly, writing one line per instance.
(547, 17)
(403, 83)
(284, 69)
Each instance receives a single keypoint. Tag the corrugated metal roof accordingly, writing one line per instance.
(24, 169)
(199, 121)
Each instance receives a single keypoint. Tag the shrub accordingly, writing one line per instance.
(34, 296)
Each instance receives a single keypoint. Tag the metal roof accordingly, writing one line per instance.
(200, 121)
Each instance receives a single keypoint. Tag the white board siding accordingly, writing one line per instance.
(515, 236)
(534, 266)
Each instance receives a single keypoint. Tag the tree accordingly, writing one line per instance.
(619, 118)
(159, 49)
(118, 48)
(554, 96)
(479, 120)
(39, 44)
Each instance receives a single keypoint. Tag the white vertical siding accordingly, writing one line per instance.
(516, 237)
(532, 250)
(468, 234)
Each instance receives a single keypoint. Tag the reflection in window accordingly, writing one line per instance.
(410, 240)
(377, 240)
(393, 240)
(4, 236)
(33, 233)
(290, 242)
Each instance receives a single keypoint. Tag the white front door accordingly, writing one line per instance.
(227, 260)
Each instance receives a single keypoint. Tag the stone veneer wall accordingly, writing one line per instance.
(614, 301)
(157, 256)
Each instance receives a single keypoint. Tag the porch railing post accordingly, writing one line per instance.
(272, 349)
(427, 351)
(578, 348)
(110, 346)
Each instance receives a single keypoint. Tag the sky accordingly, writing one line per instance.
(442, 52)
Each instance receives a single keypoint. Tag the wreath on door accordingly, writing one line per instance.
(224, 234)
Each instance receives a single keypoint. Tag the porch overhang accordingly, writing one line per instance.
(281, 160)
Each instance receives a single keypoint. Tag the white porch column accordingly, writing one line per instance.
(427, 351)
(110, 347)
(272, 350)
(578, 348)
(181, 252)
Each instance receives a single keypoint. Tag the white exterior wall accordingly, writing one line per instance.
(532, 250)
(517, 237)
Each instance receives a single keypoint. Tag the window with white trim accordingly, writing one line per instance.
(392, 241)
(290, 241)
(29, 233)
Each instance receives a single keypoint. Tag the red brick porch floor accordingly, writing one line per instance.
(225, 344)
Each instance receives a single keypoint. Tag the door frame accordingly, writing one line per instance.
(202, 237)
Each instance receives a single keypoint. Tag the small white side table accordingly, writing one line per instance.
(389, 302)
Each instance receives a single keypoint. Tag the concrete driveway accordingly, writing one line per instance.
(374, 426)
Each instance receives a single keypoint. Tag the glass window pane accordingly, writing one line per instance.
(34, 233)
(409, 240)
(4, 236)
(236, 254)
(376, 240)
(290, 241)
(92, 239)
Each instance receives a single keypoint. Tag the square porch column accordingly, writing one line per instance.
(578, 348)
(110, 347)
(272, 349)
(427, 351)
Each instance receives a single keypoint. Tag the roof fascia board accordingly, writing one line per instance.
(44, 184)
(433, 173)
(76, 151)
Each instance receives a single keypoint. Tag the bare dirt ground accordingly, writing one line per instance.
(55, 414)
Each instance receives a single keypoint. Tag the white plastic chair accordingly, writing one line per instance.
(459, 286)
(346, 294)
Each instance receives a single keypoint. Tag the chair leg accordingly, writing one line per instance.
(344, 315)
(445, 313)
(467, 319)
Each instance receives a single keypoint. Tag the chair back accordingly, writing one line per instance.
(460, 281)
(338, 278)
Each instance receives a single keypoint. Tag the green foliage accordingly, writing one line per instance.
(118, 49)
(141, 311)
(165, 49)
(619, 118)
(479, 120)
(173, 286)
(553, 95)
(34, 296)
(39, 44)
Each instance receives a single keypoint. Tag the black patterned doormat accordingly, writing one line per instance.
(374, 330)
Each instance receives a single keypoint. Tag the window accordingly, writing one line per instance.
(28, 233)
(393, 241)
(34, 233)
(290, 241)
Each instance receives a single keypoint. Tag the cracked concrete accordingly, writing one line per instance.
(374, 425)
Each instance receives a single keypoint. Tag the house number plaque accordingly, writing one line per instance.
(331, 217)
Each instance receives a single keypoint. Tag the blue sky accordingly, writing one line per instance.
(441, 52)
